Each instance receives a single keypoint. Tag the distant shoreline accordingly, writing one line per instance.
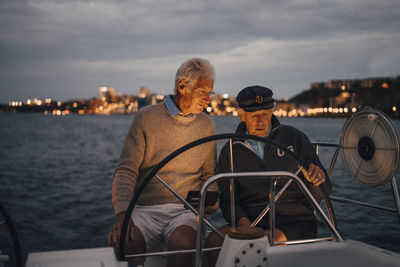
(212, 115)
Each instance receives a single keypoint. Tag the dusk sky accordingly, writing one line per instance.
(66, 49)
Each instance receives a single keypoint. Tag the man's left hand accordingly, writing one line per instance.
(314, 174)
(212, 209)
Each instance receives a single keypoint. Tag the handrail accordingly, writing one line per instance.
(328, 144)
(254, 175)
(304, 241)
(166, 253)
(359, 203)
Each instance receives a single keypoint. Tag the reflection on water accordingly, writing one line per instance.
(56, 177)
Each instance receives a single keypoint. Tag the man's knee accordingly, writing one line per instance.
(183, 237)
(213, 240)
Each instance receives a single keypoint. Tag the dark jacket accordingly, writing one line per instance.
(251, 196)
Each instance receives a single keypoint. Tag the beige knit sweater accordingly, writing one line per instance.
(153, 135)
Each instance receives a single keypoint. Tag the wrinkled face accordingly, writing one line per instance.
(198, 96)
(258, 122)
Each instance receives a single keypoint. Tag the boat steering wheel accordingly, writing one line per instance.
(14, 236)
(177, 152)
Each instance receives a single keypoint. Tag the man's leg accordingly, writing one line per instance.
(214, 240)
(182, 237)
(136, 246)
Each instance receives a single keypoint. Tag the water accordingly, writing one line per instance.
(56, 177)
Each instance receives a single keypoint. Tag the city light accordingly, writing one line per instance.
(108, 101)
(220, 105)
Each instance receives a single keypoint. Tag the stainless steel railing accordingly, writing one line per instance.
(256, 175)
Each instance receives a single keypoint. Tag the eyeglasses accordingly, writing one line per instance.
(201, 92)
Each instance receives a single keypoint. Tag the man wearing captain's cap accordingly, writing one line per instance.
(295, 219)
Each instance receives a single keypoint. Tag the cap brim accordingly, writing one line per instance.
(259, 107)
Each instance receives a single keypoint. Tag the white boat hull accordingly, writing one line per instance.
(349, 253)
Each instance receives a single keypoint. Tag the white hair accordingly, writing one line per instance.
(191, 70)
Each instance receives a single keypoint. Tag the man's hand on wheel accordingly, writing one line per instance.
(314, 174)
(115, 231)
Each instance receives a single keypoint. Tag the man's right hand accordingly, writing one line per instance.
(115, 231)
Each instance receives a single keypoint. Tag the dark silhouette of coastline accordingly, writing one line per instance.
(334, 98)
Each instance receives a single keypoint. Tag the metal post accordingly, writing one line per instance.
(272, 213)
(199, 236)
(232, 188)
(396, 195)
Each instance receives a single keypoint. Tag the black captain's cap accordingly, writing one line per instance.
(255, 97)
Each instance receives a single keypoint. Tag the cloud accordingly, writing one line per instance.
(126, 44)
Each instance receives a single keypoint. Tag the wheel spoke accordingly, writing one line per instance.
(188, 205)
(359, 166)
(373, 130)
(382, 148)
(267, 208)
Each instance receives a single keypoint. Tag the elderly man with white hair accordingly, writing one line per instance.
(157, 131)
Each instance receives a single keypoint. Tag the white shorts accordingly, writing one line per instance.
(157, 223)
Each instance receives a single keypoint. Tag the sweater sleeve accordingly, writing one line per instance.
(223, 166)
(128, 167)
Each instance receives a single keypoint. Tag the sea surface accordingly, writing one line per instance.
(56, 177)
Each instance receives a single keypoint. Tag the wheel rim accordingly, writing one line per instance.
(182, 149)
(14, 235)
